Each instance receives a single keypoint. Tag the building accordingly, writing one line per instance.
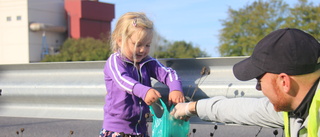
(30, 29)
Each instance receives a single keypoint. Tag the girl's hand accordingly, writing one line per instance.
(152, 96)
(176, 97)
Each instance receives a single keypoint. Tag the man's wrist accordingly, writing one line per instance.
(192, 108)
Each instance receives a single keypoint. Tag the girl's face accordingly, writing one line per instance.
(137, 46)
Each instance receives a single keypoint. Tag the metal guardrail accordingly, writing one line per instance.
(76, 90)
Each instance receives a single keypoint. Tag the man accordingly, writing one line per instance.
(286, 66)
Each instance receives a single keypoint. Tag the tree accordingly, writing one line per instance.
(245, 27)
(83, 49)
(179, 49)
(89, 49)
(305, 16)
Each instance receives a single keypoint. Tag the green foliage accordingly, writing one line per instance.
(246, 26)
(305, 16)
(89, 49)
(179, 49)
(83, 49)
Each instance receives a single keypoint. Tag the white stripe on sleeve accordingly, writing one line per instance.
(119, 75)
(167, 70)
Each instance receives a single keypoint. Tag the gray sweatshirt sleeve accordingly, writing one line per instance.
(243, 111)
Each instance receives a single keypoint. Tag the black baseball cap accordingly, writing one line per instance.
(289, 50)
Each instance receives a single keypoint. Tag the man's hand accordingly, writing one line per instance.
(183, 110)
(152, 96)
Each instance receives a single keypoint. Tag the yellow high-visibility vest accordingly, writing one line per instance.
(313, 118)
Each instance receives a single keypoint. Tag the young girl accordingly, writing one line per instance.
(127, 76)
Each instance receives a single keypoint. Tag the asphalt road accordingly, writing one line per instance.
(38, 127)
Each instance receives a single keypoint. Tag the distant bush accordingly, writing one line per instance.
(179, 49)
(83, 49)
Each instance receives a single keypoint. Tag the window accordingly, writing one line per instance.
(8, 18)
(18, 18)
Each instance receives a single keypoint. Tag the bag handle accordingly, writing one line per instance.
(159, 109)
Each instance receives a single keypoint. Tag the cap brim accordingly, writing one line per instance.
(246, 70)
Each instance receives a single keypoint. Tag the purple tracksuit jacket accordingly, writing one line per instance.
(124, 109)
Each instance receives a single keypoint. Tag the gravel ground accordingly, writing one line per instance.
(38, 127)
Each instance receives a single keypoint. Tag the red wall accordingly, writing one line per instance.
(88, 18)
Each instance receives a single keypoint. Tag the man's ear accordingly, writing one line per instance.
(284, 82)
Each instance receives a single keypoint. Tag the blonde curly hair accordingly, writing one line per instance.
(126, 26)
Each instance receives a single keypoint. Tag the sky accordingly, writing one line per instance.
(194, 21)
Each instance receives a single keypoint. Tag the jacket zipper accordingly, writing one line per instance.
(139, 118)
(140, 106)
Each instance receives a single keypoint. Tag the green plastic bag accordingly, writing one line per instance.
(166, 125)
